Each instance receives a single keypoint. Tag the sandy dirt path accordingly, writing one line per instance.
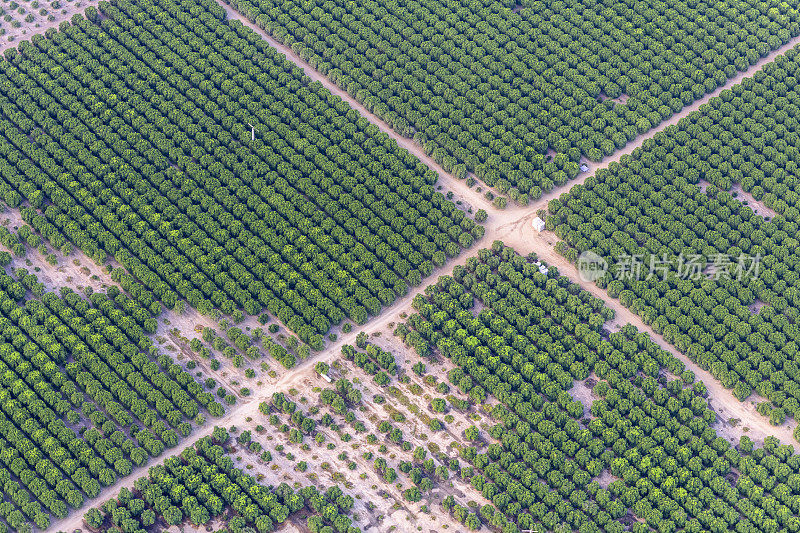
(459, 187)
(380, 323)
(469, 195)
(594, 166)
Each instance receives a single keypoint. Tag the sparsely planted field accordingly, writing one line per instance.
(389, 437)
(24, 18)
(517, 94)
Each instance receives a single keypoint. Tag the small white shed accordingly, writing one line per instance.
(538, 224)
(326, 377)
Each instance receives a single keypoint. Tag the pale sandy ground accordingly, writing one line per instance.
(391, 509)
(582, 392)
(79, 272)
(40, 23)
(758, 206)
(190, 324)
(76, 270)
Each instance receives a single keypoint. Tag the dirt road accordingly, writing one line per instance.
(459, 187)
(388, 315)
(594, 166)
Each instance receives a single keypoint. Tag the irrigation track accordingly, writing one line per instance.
(510, 225)
(458, 187)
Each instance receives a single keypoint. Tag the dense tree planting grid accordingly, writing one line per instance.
(491, 90)
(142, 151)
(201, 484)
(66, 364)
(533, 337)
(652, 203)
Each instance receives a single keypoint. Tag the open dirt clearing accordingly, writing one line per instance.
(41, 22)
